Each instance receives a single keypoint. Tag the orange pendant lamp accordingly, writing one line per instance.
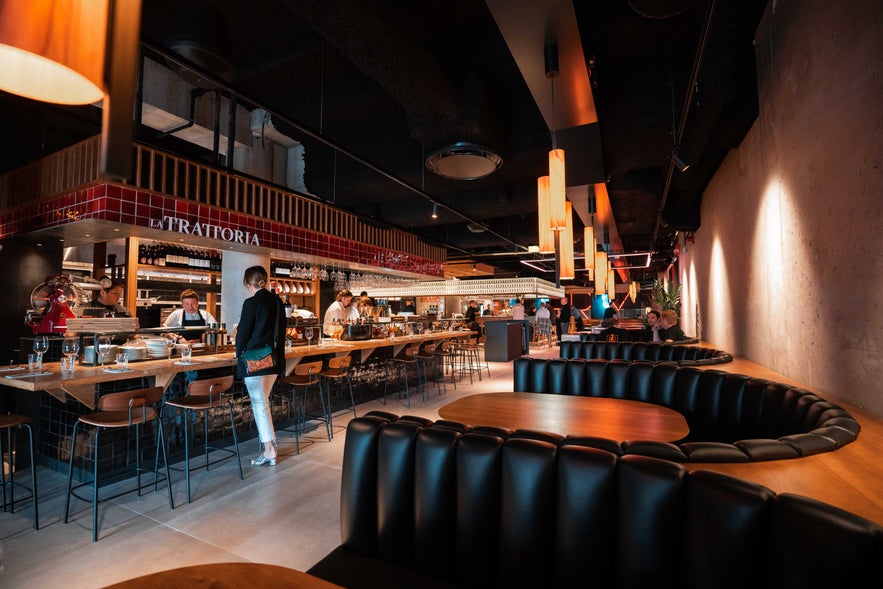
(546, 236)
(600, 273)
(589, 242)
(53, 50)
(566, 265)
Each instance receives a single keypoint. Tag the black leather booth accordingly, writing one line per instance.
(436, 506)
(732, 417)
(647, 351)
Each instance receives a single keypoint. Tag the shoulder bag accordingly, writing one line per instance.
(263, 357)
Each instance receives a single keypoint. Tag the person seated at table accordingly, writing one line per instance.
(651, 332)
(669, 330)
(341, 310)
(614, 333)
(107, 302)
(190, 315)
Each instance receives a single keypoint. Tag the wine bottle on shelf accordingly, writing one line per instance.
(287, 306)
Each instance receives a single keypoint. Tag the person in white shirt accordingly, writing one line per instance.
(190, 315)
(518, 310)
(544, 322)
(341, 310)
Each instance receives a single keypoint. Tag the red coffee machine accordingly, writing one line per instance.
(49, 300)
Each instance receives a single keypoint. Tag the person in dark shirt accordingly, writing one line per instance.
(651, 332)
(563, 317)
(669, 330)
(471, 314)
(107, 302)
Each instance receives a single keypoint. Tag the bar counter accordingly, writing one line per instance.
(81, 384)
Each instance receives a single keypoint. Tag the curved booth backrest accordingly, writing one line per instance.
(648, 351)
(431, 506)
(732, 417)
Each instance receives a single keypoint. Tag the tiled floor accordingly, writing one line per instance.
(285, 515)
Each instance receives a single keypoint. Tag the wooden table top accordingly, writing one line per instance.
(81, 384)
(616, 419)
(226, 575)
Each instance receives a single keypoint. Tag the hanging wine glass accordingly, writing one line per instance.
(308, 333)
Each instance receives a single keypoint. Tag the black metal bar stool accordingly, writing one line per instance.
(306, 375)
(447, 355)
(430, 362)
(337, 371)
(19, 422)
(115, 411)
(203, 396)
(403, 363)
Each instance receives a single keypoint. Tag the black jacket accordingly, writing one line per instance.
(256, 328)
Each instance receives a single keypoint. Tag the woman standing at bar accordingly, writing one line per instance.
(262, 323)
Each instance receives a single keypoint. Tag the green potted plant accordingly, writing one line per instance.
(667, 299)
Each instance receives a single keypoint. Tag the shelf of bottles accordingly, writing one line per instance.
(158, 255)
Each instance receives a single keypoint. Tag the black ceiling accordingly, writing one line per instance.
(392, 81)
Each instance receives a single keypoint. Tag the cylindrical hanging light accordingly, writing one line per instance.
(600, 273)
(633, 291)
(53, 50)
(589, 242)
(611, 284)
(545, 237)
(557, 190)
(565, 242)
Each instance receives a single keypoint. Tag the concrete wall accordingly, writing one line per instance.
(787, 268)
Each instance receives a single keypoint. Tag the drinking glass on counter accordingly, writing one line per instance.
(105, 343)
(35, 362)
(70, 347)
(186, 354)
(41, 346)
(308, 333)
(122, 361)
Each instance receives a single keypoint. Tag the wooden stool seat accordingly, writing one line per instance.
(204, 395)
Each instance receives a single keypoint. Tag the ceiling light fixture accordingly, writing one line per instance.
(54, 51)
(464, 161)
(434, 211)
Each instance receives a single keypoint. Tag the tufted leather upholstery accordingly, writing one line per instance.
(732, 417)
(649, 351)
(423, 506)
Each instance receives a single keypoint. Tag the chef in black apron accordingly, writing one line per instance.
(190, 315)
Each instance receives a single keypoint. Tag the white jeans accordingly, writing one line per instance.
(259, 388)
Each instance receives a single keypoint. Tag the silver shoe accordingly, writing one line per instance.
(262, 460)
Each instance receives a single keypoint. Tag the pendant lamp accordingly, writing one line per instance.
(589, 243)
(54, 50)
(546, 237)
(567, 270)
(600, 273)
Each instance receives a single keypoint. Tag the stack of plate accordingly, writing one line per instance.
(156, 348)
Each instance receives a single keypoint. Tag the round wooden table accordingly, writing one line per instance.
(615, 419)
(226, 575)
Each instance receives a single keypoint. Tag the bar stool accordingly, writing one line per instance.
(306, 375)
(446, 354)
(337, 371)
(467, 360)
(202, 396)
(403, 363)
(115, 411)
(428, 359)
(19, 422)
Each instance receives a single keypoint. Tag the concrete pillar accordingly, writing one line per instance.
(233, 267)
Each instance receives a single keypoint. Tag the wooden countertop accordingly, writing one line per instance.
(81, 384)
